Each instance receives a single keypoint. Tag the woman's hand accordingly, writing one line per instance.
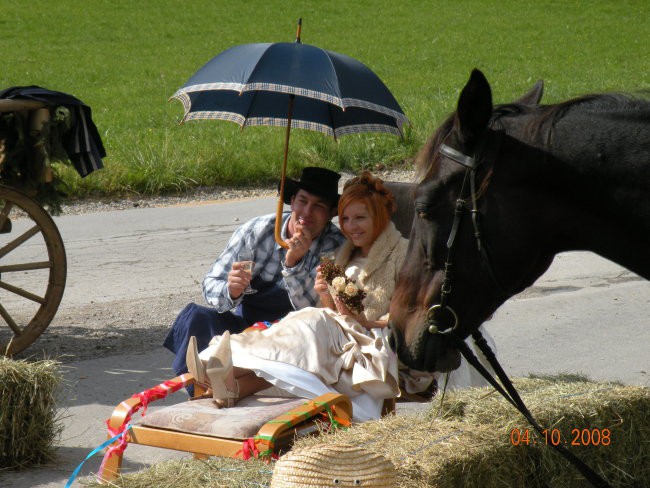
(320, 285)
(359, 317)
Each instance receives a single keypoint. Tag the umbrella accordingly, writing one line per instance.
(291, 85)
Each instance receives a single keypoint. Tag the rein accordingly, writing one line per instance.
(434, 313)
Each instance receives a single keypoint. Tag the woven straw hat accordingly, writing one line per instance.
(333, 465)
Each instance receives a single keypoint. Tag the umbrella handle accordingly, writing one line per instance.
(278, 223)
(278, 213)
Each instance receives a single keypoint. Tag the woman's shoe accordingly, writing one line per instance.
(194, 363)
(219, 371)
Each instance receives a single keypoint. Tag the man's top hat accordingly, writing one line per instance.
(317, 181)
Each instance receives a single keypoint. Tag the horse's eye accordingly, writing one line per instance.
(422, 211)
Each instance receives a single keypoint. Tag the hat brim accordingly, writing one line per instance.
(291, 187)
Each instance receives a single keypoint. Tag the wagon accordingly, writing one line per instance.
(39, 129)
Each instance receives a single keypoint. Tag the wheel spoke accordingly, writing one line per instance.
(19, 240)
(10, 321)
(25, 266)
(22, 293)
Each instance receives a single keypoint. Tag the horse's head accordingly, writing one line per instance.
(448, 287)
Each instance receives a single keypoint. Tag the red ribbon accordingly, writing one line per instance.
(144, 397)
(249, 449)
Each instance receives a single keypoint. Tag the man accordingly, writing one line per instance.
(283, 279)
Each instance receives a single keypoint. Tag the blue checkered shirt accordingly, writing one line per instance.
(258, 236)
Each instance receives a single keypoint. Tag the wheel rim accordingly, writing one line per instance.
(32, 270)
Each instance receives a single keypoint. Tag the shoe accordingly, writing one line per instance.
(219, 371)
(194, 363)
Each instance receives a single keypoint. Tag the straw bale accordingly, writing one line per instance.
(29, 424)
(192, 473)
(468, 443)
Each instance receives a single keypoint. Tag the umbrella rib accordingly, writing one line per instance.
(338, 86)
(331, 114)
(257, 63)
(248, 109)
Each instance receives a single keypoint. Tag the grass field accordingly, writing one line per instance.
(125, 59)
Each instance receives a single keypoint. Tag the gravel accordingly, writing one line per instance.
(202, 194)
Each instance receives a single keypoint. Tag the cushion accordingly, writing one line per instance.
(202, 417)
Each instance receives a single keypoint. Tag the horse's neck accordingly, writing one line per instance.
(597, 180)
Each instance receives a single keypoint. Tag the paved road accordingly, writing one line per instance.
(584, 315)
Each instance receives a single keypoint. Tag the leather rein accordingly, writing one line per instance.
(435, 314)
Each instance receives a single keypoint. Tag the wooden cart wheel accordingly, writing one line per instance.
(33, 270)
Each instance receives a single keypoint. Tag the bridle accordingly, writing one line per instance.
(439, 325)
(471, 164)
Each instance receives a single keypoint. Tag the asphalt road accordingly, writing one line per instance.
(584, 315)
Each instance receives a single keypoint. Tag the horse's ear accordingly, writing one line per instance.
(532, 96)
(474, 107)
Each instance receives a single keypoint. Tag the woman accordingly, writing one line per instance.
(315, 350)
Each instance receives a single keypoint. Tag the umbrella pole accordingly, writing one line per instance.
(278, 214)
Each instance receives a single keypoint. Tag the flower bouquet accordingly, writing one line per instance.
(341, 286)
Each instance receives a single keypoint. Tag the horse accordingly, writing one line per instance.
(500, 191)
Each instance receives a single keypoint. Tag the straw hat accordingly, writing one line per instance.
(328, 465)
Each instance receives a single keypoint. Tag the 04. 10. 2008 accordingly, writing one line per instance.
(578, 437)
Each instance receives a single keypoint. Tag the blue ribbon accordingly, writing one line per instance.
(75, 473)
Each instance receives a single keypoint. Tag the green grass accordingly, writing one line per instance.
(125, 59)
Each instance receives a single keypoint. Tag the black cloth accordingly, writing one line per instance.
(82, 142)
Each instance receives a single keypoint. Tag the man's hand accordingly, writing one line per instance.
(298, 245)
(238, 280)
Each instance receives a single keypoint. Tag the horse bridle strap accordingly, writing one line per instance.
(513, 397)
(459, 157)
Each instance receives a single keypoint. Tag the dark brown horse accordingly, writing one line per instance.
(503, 190)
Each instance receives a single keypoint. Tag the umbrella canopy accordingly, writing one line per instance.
(334, 94)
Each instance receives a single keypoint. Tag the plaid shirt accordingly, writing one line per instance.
(258, 236)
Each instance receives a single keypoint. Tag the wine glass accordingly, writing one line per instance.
(327, 256)
(245, 257)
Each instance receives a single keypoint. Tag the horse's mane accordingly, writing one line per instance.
(427, 161)
(548, 115)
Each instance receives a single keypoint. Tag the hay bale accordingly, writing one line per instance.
(28, 419)
(192, 473)
(470, 443)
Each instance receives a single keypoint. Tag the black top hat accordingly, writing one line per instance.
(317, 181)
